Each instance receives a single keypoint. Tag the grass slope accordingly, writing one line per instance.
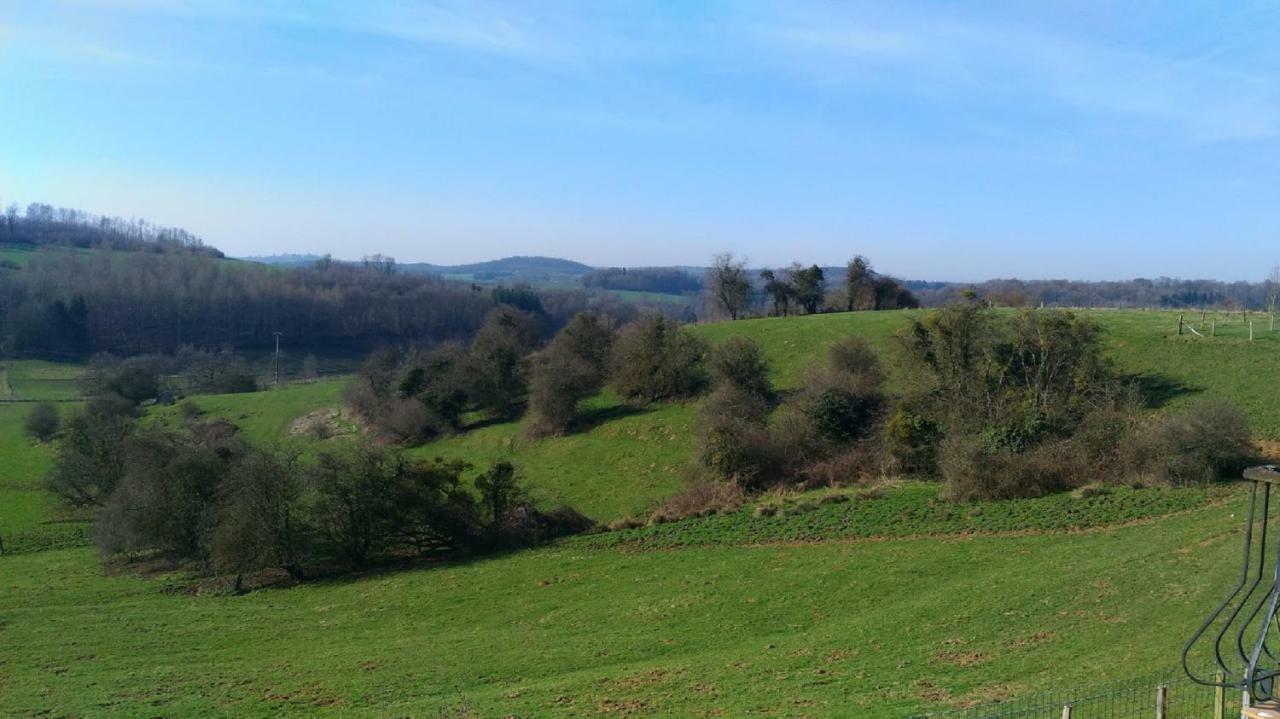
(626, 460)
(868, 629)
(725, 616)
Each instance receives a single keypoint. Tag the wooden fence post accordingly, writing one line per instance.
(1220, 696)
(1179, 324)
(1250, 330)
(1213, 328)
(1162, 701)
(1066, 711)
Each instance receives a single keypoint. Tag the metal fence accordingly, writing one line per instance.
(1167, 695)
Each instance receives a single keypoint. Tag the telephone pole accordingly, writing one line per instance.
(277, 334)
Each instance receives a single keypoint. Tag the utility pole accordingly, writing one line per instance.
(277, 334)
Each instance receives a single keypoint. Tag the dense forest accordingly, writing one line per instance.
(42, 224)
(168, 290)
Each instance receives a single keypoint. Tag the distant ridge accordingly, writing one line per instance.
(510, 265)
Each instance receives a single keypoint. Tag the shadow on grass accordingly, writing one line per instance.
(1158, 390)
(592, 418)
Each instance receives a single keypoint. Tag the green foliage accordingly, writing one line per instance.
(570, 369)
(498, 360)
(655, 359)
(739, 362)
(90, 459)
(733, 438)
(42, 422)
(261, 518)
(808, 287)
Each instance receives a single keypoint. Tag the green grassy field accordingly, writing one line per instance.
(628, 459)
(868, 629)
(824, 609)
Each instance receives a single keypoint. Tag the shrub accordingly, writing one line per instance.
(498, 359)
(911, 441)
(188, 410)
(372, 500)
(524, 525)
(261, 520)
(733, 441)
(42, 422)
(443, 387)
(1207, 442)
(570, 369)
(135, 379)
(558, 382)
(355, 501)
(90, 460)
(855, 359)
(701, 499)
(971, 472)
(166, 500)
(738, 362)
(655, 359)
(854, 463)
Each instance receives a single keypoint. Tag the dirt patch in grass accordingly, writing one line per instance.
(321, 424)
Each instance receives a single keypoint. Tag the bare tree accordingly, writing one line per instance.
(728, 284)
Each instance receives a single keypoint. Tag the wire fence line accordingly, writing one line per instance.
(1164, 695)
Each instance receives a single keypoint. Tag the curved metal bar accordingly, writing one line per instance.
(1262, 567)
(1251, 678)
(1244, 579)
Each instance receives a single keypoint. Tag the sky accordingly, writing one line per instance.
(948, 141)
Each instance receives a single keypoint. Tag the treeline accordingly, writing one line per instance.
(1150, 293)
(202, 496)
(42, 224)
(516, 366)
(663, 280)
(733, 292)
(73, 305)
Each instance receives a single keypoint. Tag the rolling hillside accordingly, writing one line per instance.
(826, 609)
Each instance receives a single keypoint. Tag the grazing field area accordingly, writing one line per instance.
(864, 602)
(869, 629)
(626, 459)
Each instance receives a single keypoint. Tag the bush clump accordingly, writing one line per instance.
(655, 359)
(571, 368)
(42, 422)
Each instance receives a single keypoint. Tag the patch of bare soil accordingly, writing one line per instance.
(321, 424)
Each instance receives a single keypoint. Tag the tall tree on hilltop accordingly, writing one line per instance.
(728, 283)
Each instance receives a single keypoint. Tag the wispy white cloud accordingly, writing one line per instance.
(1199, 95)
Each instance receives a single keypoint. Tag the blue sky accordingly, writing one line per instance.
(1081, 139)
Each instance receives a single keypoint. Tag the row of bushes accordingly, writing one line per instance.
(996, 407)
(204, 496)
(510, 367)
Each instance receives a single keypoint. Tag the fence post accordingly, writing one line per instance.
(1179, 324)
(1213, 328)
(1066, 711)
(1220, 696)
(1162, 701)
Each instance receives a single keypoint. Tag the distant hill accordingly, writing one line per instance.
(283, 260)
(43, 225)
(539, 270)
